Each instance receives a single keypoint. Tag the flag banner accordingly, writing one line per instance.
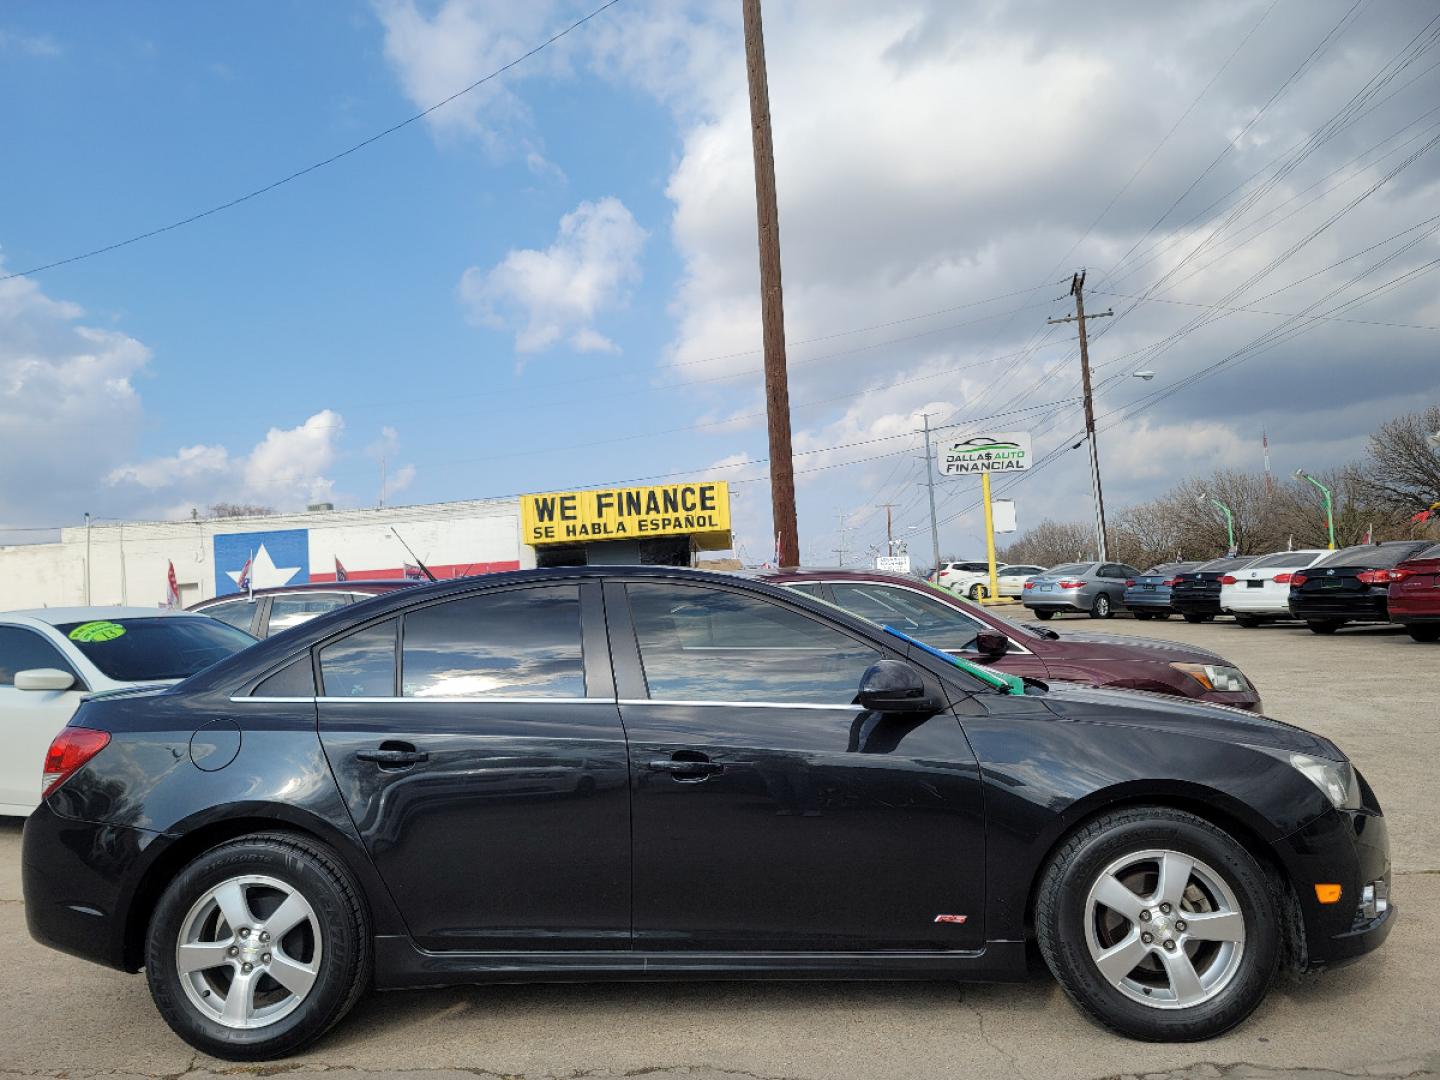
(340, 573)
(172, 588)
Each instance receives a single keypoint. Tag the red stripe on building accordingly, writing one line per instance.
(443, 573)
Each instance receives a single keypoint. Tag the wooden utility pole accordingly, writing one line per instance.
(772, 304)
(889, 528)
(1077, 290)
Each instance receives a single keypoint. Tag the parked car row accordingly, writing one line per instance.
(608, 772)
(1395, 581)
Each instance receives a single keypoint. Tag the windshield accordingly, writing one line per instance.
(155, 648)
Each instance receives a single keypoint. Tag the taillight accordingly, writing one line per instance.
(1170, 583)
(1296, 580)
(72, 748)
(1071, 584)
(1130, 583)
(1283, 579)
(1228, 579)
(1029, 584)
(1373, 577)
(1397, 574)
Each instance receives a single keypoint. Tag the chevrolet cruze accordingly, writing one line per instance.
(624, 773)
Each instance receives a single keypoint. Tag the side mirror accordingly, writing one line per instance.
(894, 686)
(44, 678)
(991, 644)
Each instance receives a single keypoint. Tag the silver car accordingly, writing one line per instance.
(1095, 588)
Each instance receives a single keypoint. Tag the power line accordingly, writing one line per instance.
(315, 166)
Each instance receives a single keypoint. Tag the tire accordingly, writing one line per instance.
(1329, 626)
(1196, 617)
(1127, 848)
(1162, 615)
(1424, 631)
(1043, 616)
(1101, 608)
(1143, 616)
(326, 954)
(978, 592)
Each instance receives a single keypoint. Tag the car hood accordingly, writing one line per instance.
(1167, 713)
(1086, 645)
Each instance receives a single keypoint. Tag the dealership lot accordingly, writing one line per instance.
(1368, 689)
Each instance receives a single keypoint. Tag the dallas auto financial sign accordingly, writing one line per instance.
(1007, 451)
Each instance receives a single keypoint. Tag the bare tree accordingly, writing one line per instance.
(1051, 543)
(1403, 469)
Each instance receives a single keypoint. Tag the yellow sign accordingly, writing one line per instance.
(636, 513)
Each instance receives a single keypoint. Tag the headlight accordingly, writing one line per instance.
(1337, 779)
(1215, 676)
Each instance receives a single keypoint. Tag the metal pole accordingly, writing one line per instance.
(772, 304)
(989, 534)
(1329, 503)
(930, 483)
(87, 558)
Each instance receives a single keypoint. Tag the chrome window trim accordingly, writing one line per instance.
(735, 704)
(442, 700)
(1014, 645)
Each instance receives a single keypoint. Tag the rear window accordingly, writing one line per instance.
(1371, 556)
(1284, 558)
(1431, 552)
(149, 649)
(1224, 564)
(1071, 568)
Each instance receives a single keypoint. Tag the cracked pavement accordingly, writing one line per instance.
(69, 1020)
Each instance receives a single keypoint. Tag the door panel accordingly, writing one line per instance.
(497, 822)
(826, 827)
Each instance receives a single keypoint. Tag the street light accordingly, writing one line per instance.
(1301, 474)
(1229, 518)
(1434, 440)
(1146, 375)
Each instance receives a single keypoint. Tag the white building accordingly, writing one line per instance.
(129, 562)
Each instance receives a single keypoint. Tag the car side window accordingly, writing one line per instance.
(295, 679)
(930, 619)
(362, 664)
(288, 611)
(237, 613)
(1112, 570)
(713, 645)
(516, 643)
(22, 649)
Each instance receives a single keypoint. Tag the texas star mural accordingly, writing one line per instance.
(278, 557)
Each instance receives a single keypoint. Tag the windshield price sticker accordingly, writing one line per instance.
(101, 630)
(1007, 451)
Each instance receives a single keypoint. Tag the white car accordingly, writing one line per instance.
(1260, 592)
(1012, 579)
(970, 579)
(50, 659)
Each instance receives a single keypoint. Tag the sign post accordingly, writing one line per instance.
(985, 454)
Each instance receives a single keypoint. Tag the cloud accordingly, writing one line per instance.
(437, 54)
(556, 294)
(285, 470)
(41, 46)
(69, 410)
(385, 450)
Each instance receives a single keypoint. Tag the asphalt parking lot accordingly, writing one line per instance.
(1373, 691)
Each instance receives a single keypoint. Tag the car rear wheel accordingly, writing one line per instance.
(1197, 617)
(1159, 925)
(1424, 633)
(1100, 609)
(1247, 621)
(1043, 616)
(1329, 626)
(978, 592)
(258, 947)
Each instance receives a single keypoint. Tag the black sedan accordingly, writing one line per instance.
(618, 773)
(1350, 586)
(1196, 593)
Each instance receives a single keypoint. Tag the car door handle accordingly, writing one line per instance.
(691, 770)
(393, 758)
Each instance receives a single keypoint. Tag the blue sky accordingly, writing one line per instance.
(497, 296)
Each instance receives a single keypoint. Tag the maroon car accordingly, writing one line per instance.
(268, 611)
(1414, 598)
(950, 623)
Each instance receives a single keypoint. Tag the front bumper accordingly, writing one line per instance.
(1350, 848)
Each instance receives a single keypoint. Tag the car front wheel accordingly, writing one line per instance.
(258, 947)
(1100, 609)
(1159, 925)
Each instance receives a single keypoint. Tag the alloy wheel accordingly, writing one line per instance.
(1164, 929)
(249, 951)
